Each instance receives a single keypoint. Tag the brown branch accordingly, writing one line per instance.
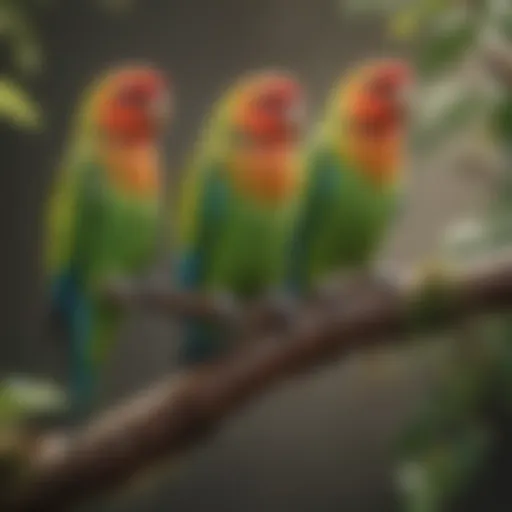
(224, 309)
(171, 302)
(181, 411)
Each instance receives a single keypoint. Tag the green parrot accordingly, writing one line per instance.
(102, 214)
(352, 174)
(239, 200)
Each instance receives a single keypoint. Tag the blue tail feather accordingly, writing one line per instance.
(75, 308)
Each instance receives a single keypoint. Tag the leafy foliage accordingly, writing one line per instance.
(19, 33)
(460, 99)
(22, 397)
(17, 108)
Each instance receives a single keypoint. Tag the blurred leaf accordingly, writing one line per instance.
(438, 123)
(21, 397)
(501, 16)
(17, 30)
(505, 27)
(502, 119)
(446, 45)
(405, 24)
(409, 21)
(464, 239)
(17, 108)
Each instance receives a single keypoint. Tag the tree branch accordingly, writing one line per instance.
(181, 411)
(223, 309)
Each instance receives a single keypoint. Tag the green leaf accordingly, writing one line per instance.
(501, 17)
(16, 28)
(502, 119)
(415, 17)
(505, 27)
(446, 44)
(22, 396)
(445, 112)
(17, 108)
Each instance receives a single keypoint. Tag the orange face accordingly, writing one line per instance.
(135, 106)
(380, 103)
(268, 125)
(377, 111)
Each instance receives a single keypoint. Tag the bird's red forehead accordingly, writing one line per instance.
(393, 73)
(148, 81)
(266, 105)
(279, 87)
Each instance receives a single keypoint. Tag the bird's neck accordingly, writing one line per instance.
(269, 179)
(133, 168)
(380, 159)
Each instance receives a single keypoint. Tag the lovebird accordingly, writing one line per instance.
(353, 171)
(102, 214)
(239, 200)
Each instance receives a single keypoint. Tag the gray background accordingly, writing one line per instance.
(318, 443)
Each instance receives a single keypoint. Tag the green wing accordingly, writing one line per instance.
(71, 215)
(313, 212)
(203, 211)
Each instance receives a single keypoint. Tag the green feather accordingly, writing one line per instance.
(343, 219)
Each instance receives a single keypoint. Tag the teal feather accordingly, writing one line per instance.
(200, 341)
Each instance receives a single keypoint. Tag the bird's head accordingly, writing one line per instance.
(132, 105)
(371, 114)
(266, 121)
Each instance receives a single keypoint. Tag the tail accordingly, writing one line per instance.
(78, 317)
(200, 341)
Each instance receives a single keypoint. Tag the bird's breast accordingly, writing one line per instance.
(271, 178)
(134, 170)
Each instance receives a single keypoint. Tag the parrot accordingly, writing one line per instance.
(102, 213)
(352, 174)
(239, 199)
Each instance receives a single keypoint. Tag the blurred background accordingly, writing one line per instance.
(318, 443)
